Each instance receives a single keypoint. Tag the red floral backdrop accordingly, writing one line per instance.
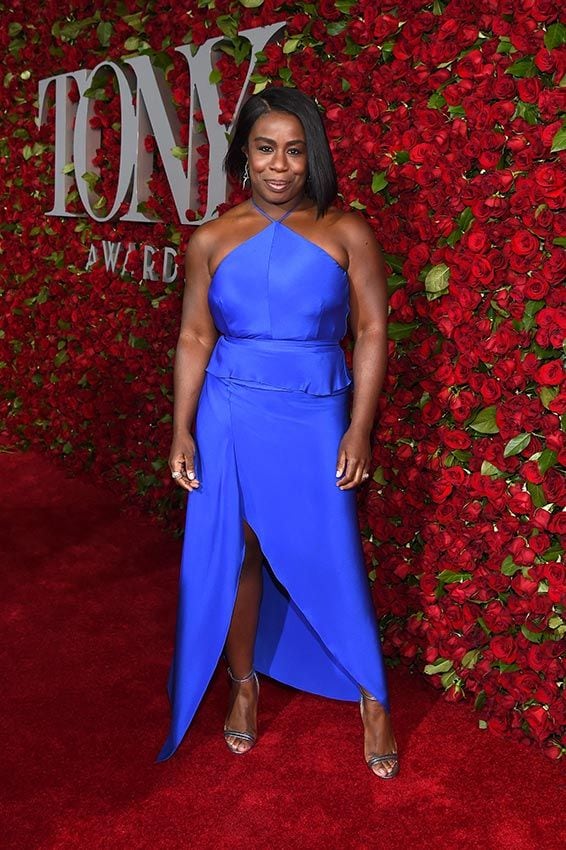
(446, 121)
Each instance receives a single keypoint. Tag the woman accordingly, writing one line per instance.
(272, 573)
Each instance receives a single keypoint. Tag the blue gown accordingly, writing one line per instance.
(273, 408)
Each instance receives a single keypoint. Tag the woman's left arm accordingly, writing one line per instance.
(368, 321)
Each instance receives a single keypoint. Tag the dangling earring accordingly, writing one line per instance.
(245, 175)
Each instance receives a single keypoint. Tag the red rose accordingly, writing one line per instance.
(525, 244)
(531, 472)
(554, 486)
(550, 374)
(503, 648)
(538, 720)
(454, 438)
(521, 503)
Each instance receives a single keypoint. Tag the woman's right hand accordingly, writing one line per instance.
(182, 459)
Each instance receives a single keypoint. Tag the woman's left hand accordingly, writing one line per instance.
(354, 458)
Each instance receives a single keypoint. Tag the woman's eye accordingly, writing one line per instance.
(266, 148)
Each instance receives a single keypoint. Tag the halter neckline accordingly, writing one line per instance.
(283, 217)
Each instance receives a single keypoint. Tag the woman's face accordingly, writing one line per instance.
(277, 157)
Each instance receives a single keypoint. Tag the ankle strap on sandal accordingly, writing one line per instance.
(250, 675)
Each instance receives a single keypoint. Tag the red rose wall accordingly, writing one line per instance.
(446, 123)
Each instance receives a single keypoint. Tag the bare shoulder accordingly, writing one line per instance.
(355, 232)
(207, 236)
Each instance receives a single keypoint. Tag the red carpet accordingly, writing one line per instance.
(88, 606)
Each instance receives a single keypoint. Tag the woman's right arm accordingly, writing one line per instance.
(197, 338)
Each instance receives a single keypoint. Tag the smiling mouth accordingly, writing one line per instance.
(277, 184)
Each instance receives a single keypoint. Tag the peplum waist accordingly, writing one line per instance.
(313, 366)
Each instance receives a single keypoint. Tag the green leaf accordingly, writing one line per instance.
(533, 637)
(95, 93)
(69, 168)
(336, 27)
(179, 152)
(215, 77)
(547, 394)
(555, 36)
(441, 665)
(134, 21)
(104, 32)
(436, 100)
(559, 140)
(465, 219)
(524, 67)
(357, 205)
(509, 567)
(90, 179)
(43, 295)
(470, 659)
(400, 330)
(448, 576)
(291, 44)
(516, 444)
(546, 460)
(132, 43)
(528, 111)
(436, 281)
(378, 475)
(378, 181)
(251, 4)
(505, 45)
(260, 85)
(352, 48)
(448, 678)
(537, 494)
(394, 281)
(488, 468)
(484, 421)
(138, 342)
(554, 552)
(227, 25)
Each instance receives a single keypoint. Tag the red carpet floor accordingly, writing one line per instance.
(87, 611)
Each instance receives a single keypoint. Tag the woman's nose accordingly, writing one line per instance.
(279, 162)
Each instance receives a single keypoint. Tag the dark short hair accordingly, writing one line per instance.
(322, 185)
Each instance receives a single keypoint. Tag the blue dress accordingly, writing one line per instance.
(273, 408)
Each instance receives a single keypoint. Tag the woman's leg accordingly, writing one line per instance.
(378, 733)
(242, 710)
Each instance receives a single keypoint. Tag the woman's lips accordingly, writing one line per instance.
(277, 185)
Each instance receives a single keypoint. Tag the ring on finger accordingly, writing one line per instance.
(176, 475)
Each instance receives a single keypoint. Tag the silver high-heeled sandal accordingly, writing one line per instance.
(242, 736)
(376, 759)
